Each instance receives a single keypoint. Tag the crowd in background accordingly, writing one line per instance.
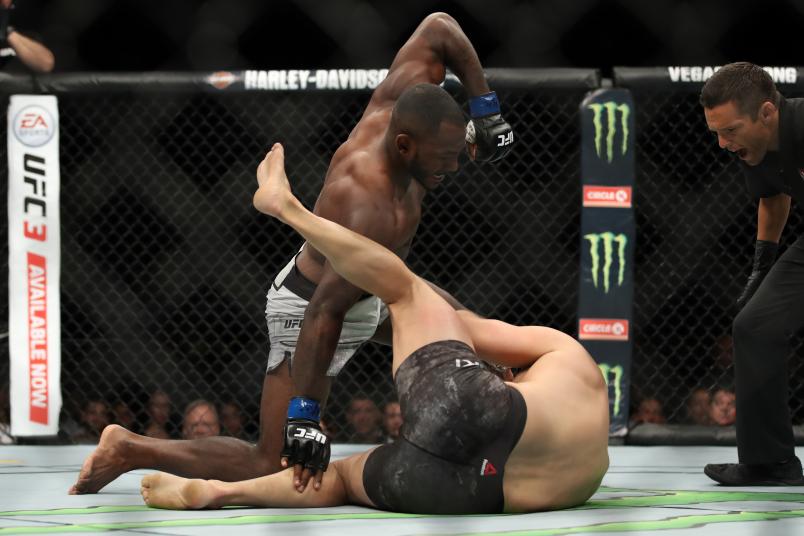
(360, 418)
(704, 407)
(711, 404)
(365, 421)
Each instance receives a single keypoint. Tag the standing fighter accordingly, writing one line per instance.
(471, 443)
(410, 135)
(766, 131)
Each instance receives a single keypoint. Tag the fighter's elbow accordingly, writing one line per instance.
(439, 26)
(439, 18)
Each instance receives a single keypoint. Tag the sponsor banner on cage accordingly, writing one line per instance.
(304, 79)
(603, 329)
(606, 196)
(702, 73)
(607, 241)
(34, 264)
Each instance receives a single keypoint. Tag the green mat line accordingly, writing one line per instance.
(239, 520)
(657, 498)
(684, 522)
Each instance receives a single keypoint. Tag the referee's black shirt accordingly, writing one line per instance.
(782, 171)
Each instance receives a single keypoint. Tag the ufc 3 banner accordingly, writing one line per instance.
(607, 242)
(34, 265)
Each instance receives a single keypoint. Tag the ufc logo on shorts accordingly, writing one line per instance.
(291, 323)
(310, 433)
(505, 139)
(462, 363)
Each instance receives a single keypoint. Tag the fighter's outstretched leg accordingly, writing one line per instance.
(341, 484)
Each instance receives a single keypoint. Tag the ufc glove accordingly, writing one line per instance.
(305, 443)
(487, 130)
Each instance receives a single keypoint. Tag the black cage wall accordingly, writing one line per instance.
(165, 263)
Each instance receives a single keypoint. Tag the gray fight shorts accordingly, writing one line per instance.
(286, 302)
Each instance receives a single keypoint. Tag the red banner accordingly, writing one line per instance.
(37, 337)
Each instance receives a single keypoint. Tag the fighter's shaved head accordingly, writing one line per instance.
(421, 109)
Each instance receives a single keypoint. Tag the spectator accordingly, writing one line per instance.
(32, 54)
(723, 409)
(158, 410)
(122, 415)
(391, 420)
(94, 418)
(200, 420)
(698, 407)
(649, 411)
(232, 420)
(363, 419)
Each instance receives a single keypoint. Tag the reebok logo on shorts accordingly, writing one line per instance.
(487, 469)
(461, 363)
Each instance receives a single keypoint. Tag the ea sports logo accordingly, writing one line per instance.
(34, 126)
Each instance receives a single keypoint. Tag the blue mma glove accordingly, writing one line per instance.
(305, 443)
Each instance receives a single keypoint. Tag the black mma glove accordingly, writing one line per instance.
(764, 257)
(305, 443)
(487, 130)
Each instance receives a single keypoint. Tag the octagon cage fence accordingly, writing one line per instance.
(165, 263)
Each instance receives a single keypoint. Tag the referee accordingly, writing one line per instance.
(766, 132)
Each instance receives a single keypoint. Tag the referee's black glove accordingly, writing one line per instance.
(764, 257)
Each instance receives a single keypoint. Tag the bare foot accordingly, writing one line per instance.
(163, 490)
(105, 463)
(273, 196)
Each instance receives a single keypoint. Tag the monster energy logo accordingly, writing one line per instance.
(617, 373)
(608, 240)
(611, 108)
